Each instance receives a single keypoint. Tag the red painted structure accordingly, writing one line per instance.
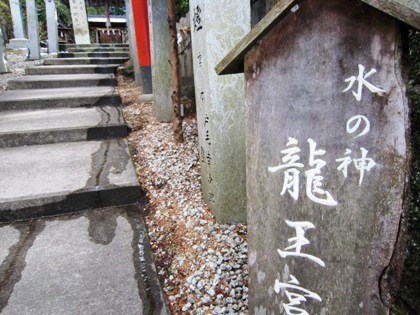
(141, 25)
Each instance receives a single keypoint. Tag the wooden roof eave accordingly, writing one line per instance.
(233, 62)
(407, 11)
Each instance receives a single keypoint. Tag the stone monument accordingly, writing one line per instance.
(80, 23)
(161, 68)
(216, 26)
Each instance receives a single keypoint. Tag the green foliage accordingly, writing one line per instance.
(100, 10)
(63, 11)
(95, 10)
(117, 10)
(181, 8)
(5, 19)
(4, 7)
(42, 19)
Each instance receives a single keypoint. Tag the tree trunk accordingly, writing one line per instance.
(176, 85)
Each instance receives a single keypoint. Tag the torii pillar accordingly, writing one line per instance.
(52, 26)
(19, 41)
(141, 24)
(33, 30)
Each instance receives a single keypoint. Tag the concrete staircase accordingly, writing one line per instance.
(62, 146)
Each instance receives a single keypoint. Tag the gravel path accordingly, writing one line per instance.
(202, 265)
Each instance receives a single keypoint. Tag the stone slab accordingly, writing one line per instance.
(18, 128)
(146, 98)
(80, 22)
(9, 236)
(98, 49)
(161, 68)
(94, 54)
(71, 69)
(94, 46)
(85, 61)
(59, 97)
(17, 43)
(67, 176)
(96, 262)
(61, 81)
(220, 105)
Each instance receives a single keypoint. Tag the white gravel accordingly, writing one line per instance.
(202, 264)
(17, 62)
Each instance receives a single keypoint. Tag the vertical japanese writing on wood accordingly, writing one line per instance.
(357, 126)
(361, 81)
(298, 241)
(296, 294)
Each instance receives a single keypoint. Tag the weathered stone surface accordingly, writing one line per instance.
(3, 62)
(99, 173)
(9, 236)
(33, 30)
(52, 29)
(301, 85)
(216, 27)
(186, 70)
(161, 68)
(80, 23)
(95, 262)
(16, 18)
(17, 43)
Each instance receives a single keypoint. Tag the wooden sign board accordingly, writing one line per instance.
(327, 160)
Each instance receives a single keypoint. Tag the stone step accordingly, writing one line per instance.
(58, 98)
(52, 179)
(61, 81)
(96, 45)
(98, 49)
(19, 128)
(70, 47)
(97, 261)
(94, 54)
(71, 69)
(85, 61)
